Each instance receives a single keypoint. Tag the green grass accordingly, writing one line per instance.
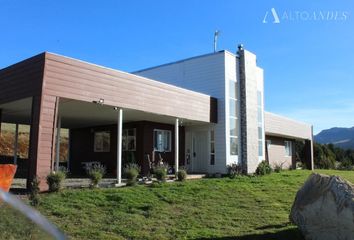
(241, 208)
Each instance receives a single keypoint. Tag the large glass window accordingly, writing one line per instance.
(102, 141)
(288, 148)
(162, 140)
(7, 140)
(233, 113)
(234, 127)
(260, 123)
(233, 89)
(233, 146)
(129, 139)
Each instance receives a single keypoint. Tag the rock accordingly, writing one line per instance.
(324, 208)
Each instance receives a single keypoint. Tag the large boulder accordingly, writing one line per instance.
(324, 208)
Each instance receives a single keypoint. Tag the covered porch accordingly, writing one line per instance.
(92, 132)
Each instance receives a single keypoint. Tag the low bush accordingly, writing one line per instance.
(181, 175)
(34, 192)
(96, 173)
(346, 164)
(234, 170)
(278, 167)
(263, 168)
(131, 172)
(160, 172)
(55, 179)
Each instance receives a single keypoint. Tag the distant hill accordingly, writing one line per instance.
(340, 137)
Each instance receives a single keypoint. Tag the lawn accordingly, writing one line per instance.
(240, 208)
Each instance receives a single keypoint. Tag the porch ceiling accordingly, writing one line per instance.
(76, 114)
(17, 111)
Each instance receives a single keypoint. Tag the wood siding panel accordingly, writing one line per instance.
(281, 126)
(22, 80)
(74, 79)
(276, 152)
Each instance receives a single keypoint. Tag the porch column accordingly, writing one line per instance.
(119, 145)
(176, 145)
(309, 152)
(16, 144)
(57, 147)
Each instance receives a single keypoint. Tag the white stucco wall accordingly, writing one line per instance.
(205, 74)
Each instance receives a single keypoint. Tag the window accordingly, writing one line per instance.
(233, 89)
(288, 148)
(162, 140)
(102, 141)
(260, 147)
(233, 112)
(233, 146)
(212, 147)
(233, 127)
(8, 136)
(260, 123)
(129, 139)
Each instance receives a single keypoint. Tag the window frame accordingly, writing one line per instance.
(288, 148)
(163, 131)
(125, 139)
(234, 100)
(96, 142)
(212, 153)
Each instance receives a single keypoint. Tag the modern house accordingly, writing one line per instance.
(202, 113)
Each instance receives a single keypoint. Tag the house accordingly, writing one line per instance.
(202, 113)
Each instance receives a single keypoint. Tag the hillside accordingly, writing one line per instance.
(340, 137)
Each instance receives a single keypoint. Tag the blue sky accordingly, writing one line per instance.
(309, 64)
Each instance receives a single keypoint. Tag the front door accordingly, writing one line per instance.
(197, 151)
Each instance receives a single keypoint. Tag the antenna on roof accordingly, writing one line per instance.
(216, 35)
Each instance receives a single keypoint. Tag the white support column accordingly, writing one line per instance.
(16, 145)
(57, 147)
(176, 145)
(69, 152)
(119, 145)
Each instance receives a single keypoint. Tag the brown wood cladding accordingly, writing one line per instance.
(73, 79)
(22, 80)
(47, 77)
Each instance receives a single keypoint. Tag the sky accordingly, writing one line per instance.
(306, 48)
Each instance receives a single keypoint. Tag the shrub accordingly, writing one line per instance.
(278, 167)
(160, 172)
(345, 164)
(181, 175)
(95, 173)
(131, 172)
(34, 192)
(234, 170)
(263, 168)
(54, 180)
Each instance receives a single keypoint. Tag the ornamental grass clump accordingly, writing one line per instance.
(263, 168)
(181, 175)
(131, 172)
(96, 173)
(160, 172)
(234, 170)
(55, 179)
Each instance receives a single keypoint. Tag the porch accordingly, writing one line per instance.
(88, 133)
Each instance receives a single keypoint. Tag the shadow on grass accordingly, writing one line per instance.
(288, 234)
